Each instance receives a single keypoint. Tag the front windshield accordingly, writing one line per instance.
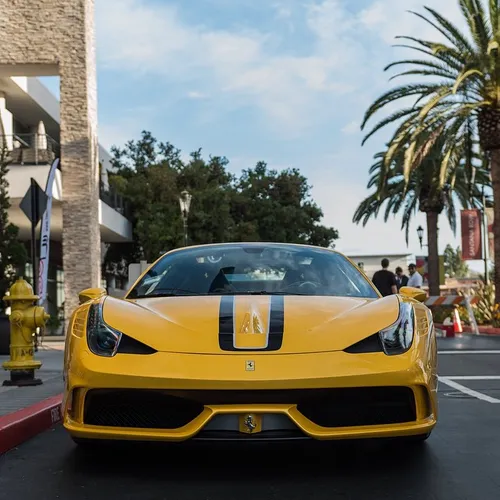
(239, 269)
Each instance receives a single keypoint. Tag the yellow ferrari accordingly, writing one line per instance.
(250, 341)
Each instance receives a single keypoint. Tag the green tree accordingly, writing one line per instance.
(431, 189)
(262, 205)
(13, 254)
(277, 206)
(150, 175)
(211, 187)
(145, 174)
(460, 91)
(454, 266)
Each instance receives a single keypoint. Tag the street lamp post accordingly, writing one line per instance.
(420, 232)
(185, 203)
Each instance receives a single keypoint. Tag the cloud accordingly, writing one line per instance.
(351, 128)
(239, 66)
(194, 94)
(292, 99)
(391, 18)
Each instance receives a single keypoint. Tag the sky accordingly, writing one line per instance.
(283, 81)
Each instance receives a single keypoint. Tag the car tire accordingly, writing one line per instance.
(419, 438)
(83, 442)
(89, 444)
(93, 446)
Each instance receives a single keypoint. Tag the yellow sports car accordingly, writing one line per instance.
(250, 341)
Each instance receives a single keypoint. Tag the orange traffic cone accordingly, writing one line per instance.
(457, 323)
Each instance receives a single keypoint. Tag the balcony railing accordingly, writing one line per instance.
(114, 200)
(30, 149)
(41, 149)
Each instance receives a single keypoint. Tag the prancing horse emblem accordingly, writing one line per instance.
(249, 423)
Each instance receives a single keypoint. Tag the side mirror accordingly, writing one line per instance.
(413, 293)
(91, 294)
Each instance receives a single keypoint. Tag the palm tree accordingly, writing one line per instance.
(461, 92)
(430, 188)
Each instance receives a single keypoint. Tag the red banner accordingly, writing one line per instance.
(472, 248)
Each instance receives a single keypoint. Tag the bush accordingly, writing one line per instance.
(440, 313)
(483, 309)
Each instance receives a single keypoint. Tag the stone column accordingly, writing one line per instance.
(50, 37)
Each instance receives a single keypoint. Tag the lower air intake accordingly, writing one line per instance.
(360, 406)
(138, 409)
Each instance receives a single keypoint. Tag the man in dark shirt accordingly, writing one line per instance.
(385, 280)
(401, 279)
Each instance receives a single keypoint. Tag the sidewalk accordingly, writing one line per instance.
(26, 411)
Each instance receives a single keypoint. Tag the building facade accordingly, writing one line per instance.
(30, 130)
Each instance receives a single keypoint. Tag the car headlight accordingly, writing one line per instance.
(397, 338)
(101, 338)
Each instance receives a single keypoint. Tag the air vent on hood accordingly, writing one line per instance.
(370, 344)
(128, 345)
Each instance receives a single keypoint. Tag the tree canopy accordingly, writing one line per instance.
(259, 205)
(454, 266)
(12, 252)
(455, 97)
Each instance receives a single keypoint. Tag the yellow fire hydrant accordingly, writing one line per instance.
(25, 318)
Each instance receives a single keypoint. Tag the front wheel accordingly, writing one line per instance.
(91, 445)
(419, 438)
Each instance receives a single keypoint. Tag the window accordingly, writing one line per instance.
(239, 269)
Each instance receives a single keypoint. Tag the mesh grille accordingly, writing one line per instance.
(163, 409)
(361, 406)
(138, 409)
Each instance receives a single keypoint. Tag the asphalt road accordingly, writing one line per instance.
(459, 461)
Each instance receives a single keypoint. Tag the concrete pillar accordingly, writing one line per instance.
(56, 37)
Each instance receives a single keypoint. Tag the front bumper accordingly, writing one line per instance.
(132, 397)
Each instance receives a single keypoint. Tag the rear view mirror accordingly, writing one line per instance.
(413, 293)
(91, 294)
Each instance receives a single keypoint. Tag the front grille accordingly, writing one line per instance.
(360, 406)
(170, 409)
(138, 409)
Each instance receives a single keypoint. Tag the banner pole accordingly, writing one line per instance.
(43, 267)
(485, 241)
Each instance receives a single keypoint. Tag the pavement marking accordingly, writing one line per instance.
(466, 390)
(473, 377)
(457, 351)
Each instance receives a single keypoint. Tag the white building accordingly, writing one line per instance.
(372, 263)
(29, 126)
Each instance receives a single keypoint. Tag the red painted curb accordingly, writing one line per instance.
(28, 422)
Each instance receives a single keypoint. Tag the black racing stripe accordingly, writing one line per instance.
(276, 324)
(226, 323)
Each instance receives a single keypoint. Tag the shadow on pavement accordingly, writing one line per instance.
(244, 461)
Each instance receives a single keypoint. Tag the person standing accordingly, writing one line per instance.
(401, 279)
(415, 280)
(385, 280)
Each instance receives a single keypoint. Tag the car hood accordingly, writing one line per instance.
(302, 324)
